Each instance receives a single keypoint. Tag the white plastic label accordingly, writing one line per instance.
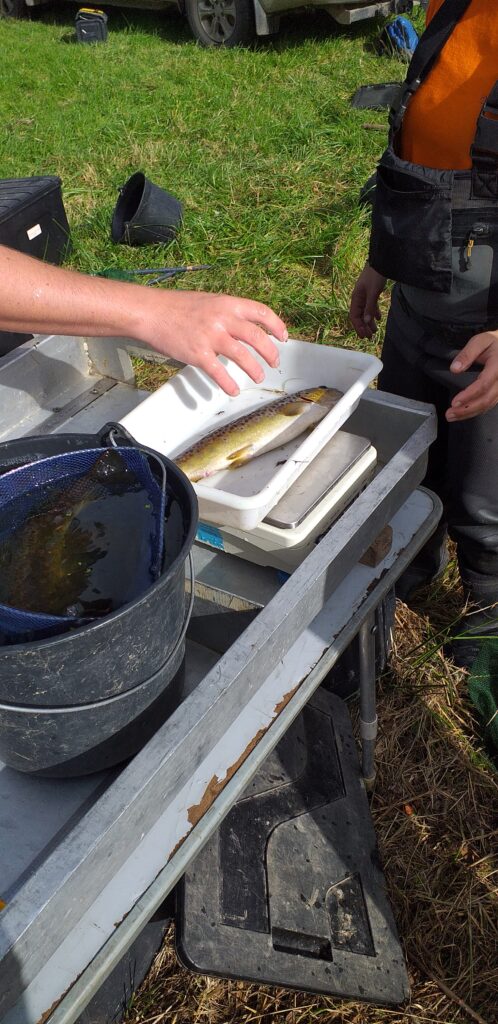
(34, 232)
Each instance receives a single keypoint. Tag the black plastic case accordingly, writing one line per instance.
(33, 219)
(91, 25)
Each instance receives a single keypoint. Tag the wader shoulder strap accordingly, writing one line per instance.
(426, 53)
(484, 150)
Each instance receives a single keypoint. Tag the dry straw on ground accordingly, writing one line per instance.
(435, 808)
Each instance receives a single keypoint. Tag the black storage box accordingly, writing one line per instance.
(91, 25)
(32, 220)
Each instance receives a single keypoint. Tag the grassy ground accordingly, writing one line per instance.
(261, 146)
(267, 156)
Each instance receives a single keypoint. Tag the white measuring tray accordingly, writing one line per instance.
(307, 510)
(190, 405)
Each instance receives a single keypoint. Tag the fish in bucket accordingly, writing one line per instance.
(81, 534)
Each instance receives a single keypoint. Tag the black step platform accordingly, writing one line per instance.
(289, 891)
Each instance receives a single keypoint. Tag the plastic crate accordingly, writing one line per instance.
(33, 219)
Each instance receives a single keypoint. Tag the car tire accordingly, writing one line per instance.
(221, 22)
(13, 9)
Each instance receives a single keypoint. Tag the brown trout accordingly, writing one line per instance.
(257, 432)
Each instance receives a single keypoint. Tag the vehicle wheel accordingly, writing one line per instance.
(13, 9)
(220, 22)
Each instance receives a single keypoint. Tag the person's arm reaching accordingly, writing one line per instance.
(192, 327)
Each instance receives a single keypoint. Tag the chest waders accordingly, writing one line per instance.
(435, 232)
(427, 223)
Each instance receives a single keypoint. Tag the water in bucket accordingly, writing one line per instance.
(80, 536)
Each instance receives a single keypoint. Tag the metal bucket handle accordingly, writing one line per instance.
(188, 611)
(117, 431)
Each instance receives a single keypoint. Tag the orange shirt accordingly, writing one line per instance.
(440, 121)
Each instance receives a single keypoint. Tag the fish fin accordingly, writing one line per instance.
(294, 408)
(241, 455)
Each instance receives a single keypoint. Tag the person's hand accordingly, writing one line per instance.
(364, 309)
(482, 394)
(197, 327)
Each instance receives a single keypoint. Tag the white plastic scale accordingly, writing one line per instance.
(306, 511)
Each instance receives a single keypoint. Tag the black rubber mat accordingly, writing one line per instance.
(376, 97)
(290, 891)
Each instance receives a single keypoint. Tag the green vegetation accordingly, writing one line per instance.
(261, 146)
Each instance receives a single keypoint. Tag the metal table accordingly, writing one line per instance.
(86, 862)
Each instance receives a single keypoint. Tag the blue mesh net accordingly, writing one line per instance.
(81, 534)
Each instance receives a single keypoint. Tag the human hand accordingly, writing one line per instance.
(197, 327)
(482, 394)
(364, 309)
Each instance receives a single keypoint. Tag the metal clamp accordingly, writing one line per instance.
(368, 730)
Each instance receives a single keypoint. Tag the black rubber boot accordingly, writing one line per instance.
(470, 633)
(429, 564)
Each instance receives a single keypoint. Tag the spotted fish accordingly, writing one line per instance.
(257, 432)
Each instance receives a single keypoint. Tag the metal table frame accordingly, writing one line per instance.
(85, 900)
(150, 806)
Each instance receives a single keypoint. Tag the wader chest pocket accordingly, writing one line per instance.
(411, 230)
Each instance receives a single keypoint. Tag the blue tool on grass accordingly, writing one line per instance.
(158, 275)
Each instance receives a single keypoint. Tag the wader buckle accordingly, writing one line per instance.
(397, 111)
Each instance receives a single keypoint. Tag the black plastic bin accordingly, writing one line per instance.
(33, 219)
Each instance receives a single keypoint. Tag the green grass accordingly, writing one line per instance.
(261, 145)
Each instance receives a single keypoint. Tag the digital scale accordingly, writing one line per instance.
(306, 511)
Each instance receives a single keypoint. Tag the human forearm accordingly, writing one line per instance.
(194, 327)
(38, 297)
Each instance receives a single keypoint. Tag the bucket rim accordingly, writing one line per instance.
(64, 709)
(119, 221)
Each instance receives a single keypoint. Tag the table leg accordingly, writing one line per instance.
(368, 716)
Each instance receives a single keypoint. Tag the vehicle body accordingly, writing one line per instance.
(237, 22)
